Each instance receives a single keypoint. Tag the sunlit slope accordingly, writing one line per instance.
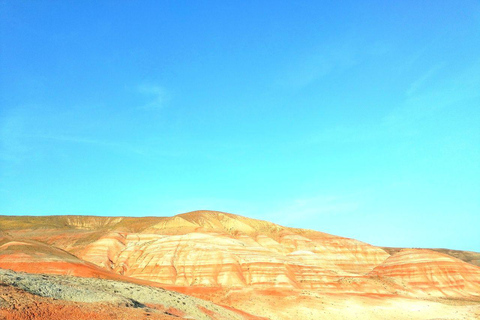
(36, 257)
(467, 256)
(430, 272)
(216, 249)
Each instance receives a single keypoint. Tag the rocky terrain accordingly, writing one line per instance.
(29, 296)
(255, 266)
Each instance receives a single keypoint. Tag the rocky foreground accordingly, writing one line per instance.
(32, 296)
(258, 267)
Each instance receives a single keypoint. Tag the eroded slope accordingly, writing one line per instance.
(83, 296)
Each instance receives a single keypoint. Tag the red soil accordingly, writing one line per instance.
(16, 304)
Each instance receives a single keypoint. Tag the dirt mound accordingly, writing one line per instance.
(16, 304)
(466, 256)
(36, 257)
(427, 272)
(116, 295)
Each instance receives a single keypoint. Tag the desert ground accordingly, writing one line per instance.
(215, 265)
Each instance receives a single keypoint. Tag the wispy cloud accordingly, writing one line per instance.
(18, 141)
(302, 210)
(408, 118)
(12, 148)
(321, 62)
(157, 96)
(414, 59)
(90, 141)
(419, 82)
(317, 64)
(417, 107)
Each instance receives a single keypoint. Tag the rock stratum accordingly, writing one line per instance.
(232, 260)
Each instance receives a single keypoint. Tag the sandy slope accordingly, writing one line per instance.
(256, 266)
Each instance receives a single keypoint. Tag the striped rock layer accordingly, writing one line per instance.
(432, 273)
(215, 249)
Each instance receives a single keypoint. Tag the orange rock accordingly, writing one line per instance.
(215, 249)
(219, 259)
(35, 257)
(428, 272)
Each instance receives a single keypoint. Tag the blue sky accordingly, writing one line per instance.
(357, 119)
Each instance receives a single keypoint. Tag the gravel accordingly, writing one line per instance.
(120, 293)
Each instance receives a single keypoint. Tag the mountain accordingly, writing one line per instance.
(233, 260)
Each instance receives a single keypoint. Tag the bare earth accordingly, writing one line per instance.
(214, 265)
(29, 296)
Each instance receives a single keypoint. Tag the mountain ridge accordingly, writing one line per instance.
(230, 259)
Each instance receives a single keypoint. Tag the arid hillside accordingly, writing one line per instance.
(32, 296)
(259, 267)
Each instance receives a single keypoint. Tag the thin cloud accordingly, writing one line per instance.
(420, 82)
(418, 55)
(21, 130)
(418, 107)
(326, 60)
(90, 141)
(12, 146)
(314, 66)
(302, 210)
(405, 121)
(157, 97)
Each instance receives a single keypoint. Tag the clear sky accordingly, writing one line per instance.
(360, 118)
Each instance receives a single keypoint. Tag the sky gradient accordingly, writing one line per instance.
(357, 119)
